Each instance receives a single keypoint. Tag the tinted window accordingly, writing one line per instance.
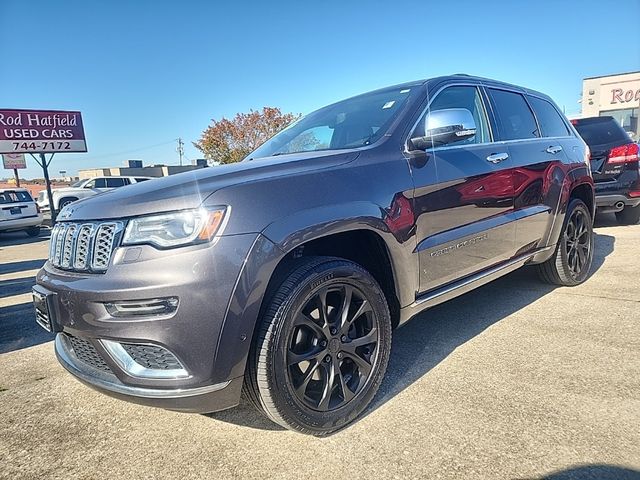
(99, 183)
(138, 179)
(12, 197)
(460, 97)
(550, 121)
(115, 182)
(515, 118)
(601, 131)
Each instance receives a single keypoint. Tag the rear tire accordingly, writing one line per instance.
(33, 231)
(571, 261)
(315, 372)
(629, 215)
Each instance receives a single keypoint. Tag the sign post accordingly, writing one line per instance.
(41, 132)
(14, 161)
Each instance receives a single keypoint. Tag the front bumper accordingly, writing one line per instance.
(202, 278)
(209, 398)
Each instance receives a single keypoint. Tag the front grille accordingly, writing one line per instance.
(86, 353)
(152, 356)
(85, 247)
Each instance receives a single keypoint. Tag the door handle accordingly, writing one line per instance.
(497, 157)
(553, 149)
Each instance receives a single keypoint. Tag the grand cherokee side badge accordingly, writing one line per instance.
(466, 243)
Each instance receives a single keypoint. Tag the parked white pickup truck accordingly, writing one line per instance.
(83, 189)
(18, 211)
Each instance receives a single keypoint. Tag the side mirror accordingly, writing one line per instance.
(445, 126)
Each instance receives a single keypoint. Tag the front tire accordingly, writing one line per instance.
(629, 215)
(322, 348)
(571, 261)
(66, 201)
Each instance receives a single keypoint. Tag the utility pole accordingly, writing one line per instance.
(180, 149)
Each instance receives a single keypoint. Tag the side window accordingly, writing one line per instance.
(100, 183)
(466, 97)
(138, 179)
(550, 121)
(91, 184)
(514, 116)
(114, 182)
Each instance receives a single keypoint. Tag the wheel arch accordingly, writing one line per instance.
(334, 233)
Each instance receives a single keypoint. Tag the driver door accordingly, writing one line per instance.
(465, 219)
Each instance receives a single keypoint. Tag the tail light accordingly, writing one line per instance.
(624, 153)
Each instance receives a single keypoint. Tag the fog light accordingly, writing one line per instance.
(141, 308)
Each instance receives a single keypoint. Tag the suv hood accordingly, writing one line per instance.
(190, 189)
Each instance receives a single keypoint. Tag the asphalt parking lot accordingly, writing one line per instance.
(515, 380)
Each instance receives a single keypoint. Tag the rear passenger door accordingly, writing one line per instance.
(463, 220)
(537, 152)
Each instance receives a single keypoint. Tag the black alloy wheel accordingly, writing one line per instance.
(571, 261)
(332, 347)
(578, 240)
(322, 347)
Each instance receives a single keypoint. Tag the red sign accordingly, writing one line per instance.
(41, 131)
(13, 161)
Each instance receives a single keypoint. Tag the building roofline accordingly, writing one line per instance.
(611, 75)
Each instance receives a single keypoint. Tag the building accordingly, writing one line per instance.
(617, 96)
(136, 169)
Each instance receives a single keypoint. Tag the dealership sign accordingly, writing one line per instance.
(14, 160)
(41, 131)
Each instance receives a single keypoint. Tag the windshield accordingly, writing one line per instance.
(355, 122)
(78, 183)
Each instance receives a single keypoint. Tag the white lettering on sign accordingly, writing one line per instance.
(41, 131)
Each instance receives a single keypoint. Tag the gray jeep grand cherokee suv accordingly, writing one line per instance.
(286, 273)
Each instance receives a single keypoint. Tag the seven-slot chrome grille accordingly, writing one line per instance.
(84, 247)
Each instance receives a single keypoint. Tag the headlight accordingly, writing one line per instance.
(176, 228)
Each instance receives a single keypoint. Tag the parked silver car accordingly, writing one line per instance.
(18, 211)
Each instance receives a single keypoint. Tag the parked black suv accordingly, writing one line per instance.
(615, 167)
(285, 273)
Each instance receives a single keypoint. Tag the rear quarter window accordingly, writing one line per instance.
(551, 123)
(601, 131)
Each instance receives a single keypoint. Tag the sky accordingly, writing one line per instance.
(144, 73)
